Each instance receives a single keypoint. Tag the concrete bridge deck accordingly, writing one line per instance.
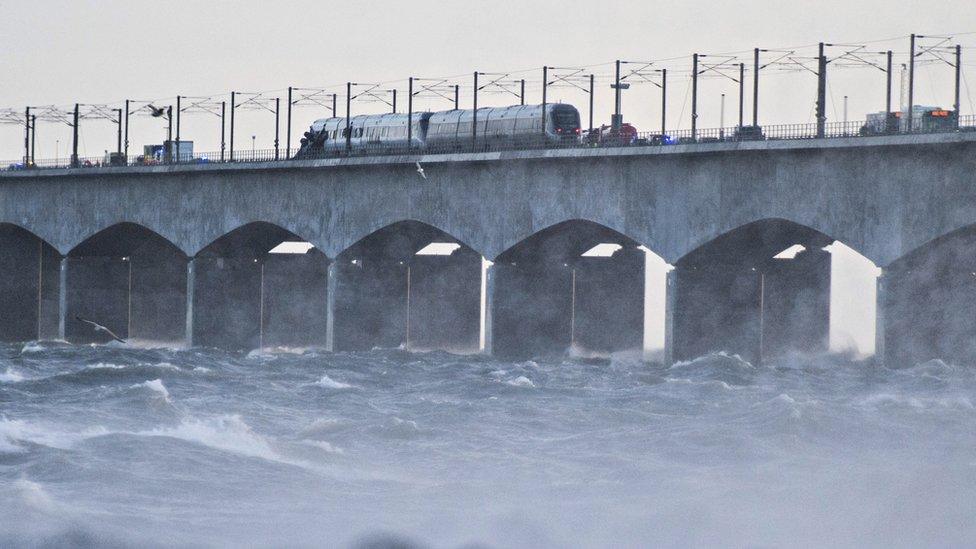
(882, 196)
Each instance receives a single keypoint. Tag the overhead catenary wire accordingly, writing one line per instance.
(788, 60)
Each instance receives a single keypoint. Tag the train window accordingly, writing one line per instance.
(565, 118)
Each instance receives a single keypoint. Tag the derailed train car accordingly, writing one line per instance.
(444, 131)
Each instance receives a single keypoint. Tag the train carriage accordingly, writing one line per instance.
(497, 127)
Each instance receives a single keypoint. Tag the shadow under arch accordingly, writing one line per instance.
(129, 279)
(928, 298)
(759, 290)
(575, 286)
(258, 286)
(408, 284)
(29, 285)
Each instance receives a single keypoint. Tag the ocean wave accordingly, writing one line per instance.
(521, 381)
(917, 402)
(721, 366)
(330, 383)
(11, 376)
(716, 439)
(156, 386)
(33, 347)
(33, 495)
(106, 366)
(325, 446)
(16, 434)
(320, 427)
(227, 433)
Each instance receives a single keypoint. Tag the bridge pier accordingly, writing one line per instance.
(190, 290)
(487, 305)
(656, 307)
(880, 320)
(28, 286)
(62, 298)
(330, 307)
(929, 297)
(670, 301)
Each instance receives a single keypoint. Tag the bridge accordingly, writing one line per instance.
(518, 253)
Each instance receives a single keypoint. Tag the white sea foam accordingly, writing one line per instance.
(105, 366)
(228, 433)
(11, 376)
(8, 439)
(521, 381)
(326, 446)
(320, 427)
(14, 433)
(32, 347)
(259, 354)
(33, 495)
(330, 383)
(155, 385)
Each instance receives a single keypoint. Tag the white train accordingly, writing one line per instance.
(498, 127)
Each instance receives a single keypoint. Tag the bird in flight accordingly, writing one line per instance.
(156, 112)
(420, 170)
(99, 328)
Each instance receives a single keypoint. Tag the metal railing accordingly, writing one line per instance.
(705, 136)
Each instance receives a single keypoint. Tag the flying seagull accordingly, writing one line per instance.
(420, 170)
(156, 111)
(99, 328)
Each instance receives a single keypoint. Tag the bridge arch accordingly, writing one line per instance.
(549, 221)
(259, 285)
(928, 298)
(129, 279)
(408, 284)
(576, 286)
(29, 285)
(769, 287)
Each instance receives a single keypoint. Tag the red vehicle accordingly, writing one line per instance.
(605, 135)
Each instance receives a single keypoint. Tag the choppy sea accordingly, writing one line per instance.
(115, 446)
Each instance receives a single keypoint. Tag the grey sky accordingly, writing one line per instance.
(59, 52)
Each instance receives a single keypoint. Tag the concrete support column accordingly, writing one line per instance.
(487, 304)
(647, 337)
(331, 285)
(670, 301)
(190, 284)
(63, 298)
(879, 320)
